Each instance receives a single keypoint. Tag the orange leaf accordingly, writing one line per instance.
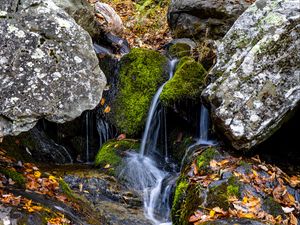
(107, 109)
(102, 101)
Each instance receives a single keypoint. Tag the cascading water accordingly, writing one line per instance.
(146, 170)
(203, 138)
(103, 131)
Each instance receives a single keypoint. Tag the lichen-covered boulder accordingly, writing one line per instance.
(84, 15)
(141, 72)
(258, 71)
(201, 18)
(47, 64)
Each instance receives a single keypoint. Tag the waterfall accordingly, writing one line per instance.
(145, 171)
(203, 138)
(103, 131)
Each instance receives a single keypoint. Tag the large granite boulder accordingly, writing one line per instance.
(47, 64)
(258, 73)
(84, 15)
(201, 18)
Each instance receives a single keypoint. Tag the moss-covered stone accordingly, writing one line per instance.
(272, 207)
(65, 188)
(179, 200)
(203, 160)
(218, 195)
(141, 73)
(15, 176)
(112, 151)
(187, 82)
(180, 50)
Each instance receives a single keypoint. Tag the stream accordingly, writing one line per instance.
(151, 171)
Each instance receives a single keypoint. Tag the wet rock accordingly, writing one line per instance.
(203, 19)
(257, 74)
(213, 178)
(36, 145)
(48, 66)
(113, 202)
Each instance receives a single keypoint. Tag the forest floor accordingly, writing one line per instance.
(145, 21)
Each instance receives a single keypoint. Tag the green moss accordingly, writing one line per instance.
(111, 152)
(219, 194)
(15, 176)
(65, 188)
(232, 190)
(187, 82)
(180, 50)
(272, 207)
(204, 159)
(179, 199)
(141, 73)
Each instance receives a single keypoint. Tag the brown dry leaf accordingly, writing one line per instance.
(213, 163)
(294, 181)
(102, 101)
(195, 168)
(293, 219)
(196, 217)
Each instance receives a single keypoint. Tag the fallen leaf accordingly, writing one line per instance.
(107, 109)
(102, 102)
(288, 209)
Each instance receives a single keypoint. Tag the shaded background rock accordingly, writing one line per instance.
(48, 66)
(199, 19)
(257, 72)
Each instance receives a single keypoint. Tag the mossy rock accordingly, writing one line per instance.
(204, 159)
(180, 50)
(219, 194)
(15, 176)
(111, 153)
(187, 82)
(272, 207)
(186, 201)
(141, 73)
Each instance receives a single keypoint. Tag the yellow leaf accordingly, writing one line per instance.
(107, 166)
(254, 173)
(37, 174)
(212, 213)
(52, 178)
(245, 200)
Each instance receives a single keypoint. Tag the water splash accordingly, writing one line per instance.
(145, 171)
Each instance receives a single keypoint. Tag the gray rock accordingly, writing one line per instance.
(47, 64)
(193, 18)
(259, 73)
(84, 15)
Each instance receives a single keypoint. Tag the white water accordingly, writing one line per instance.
(203, 138)
(142, 170)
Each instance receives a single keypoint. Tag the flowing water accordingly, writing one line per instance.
(148, 170)
(203, 138)
(151, 171)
